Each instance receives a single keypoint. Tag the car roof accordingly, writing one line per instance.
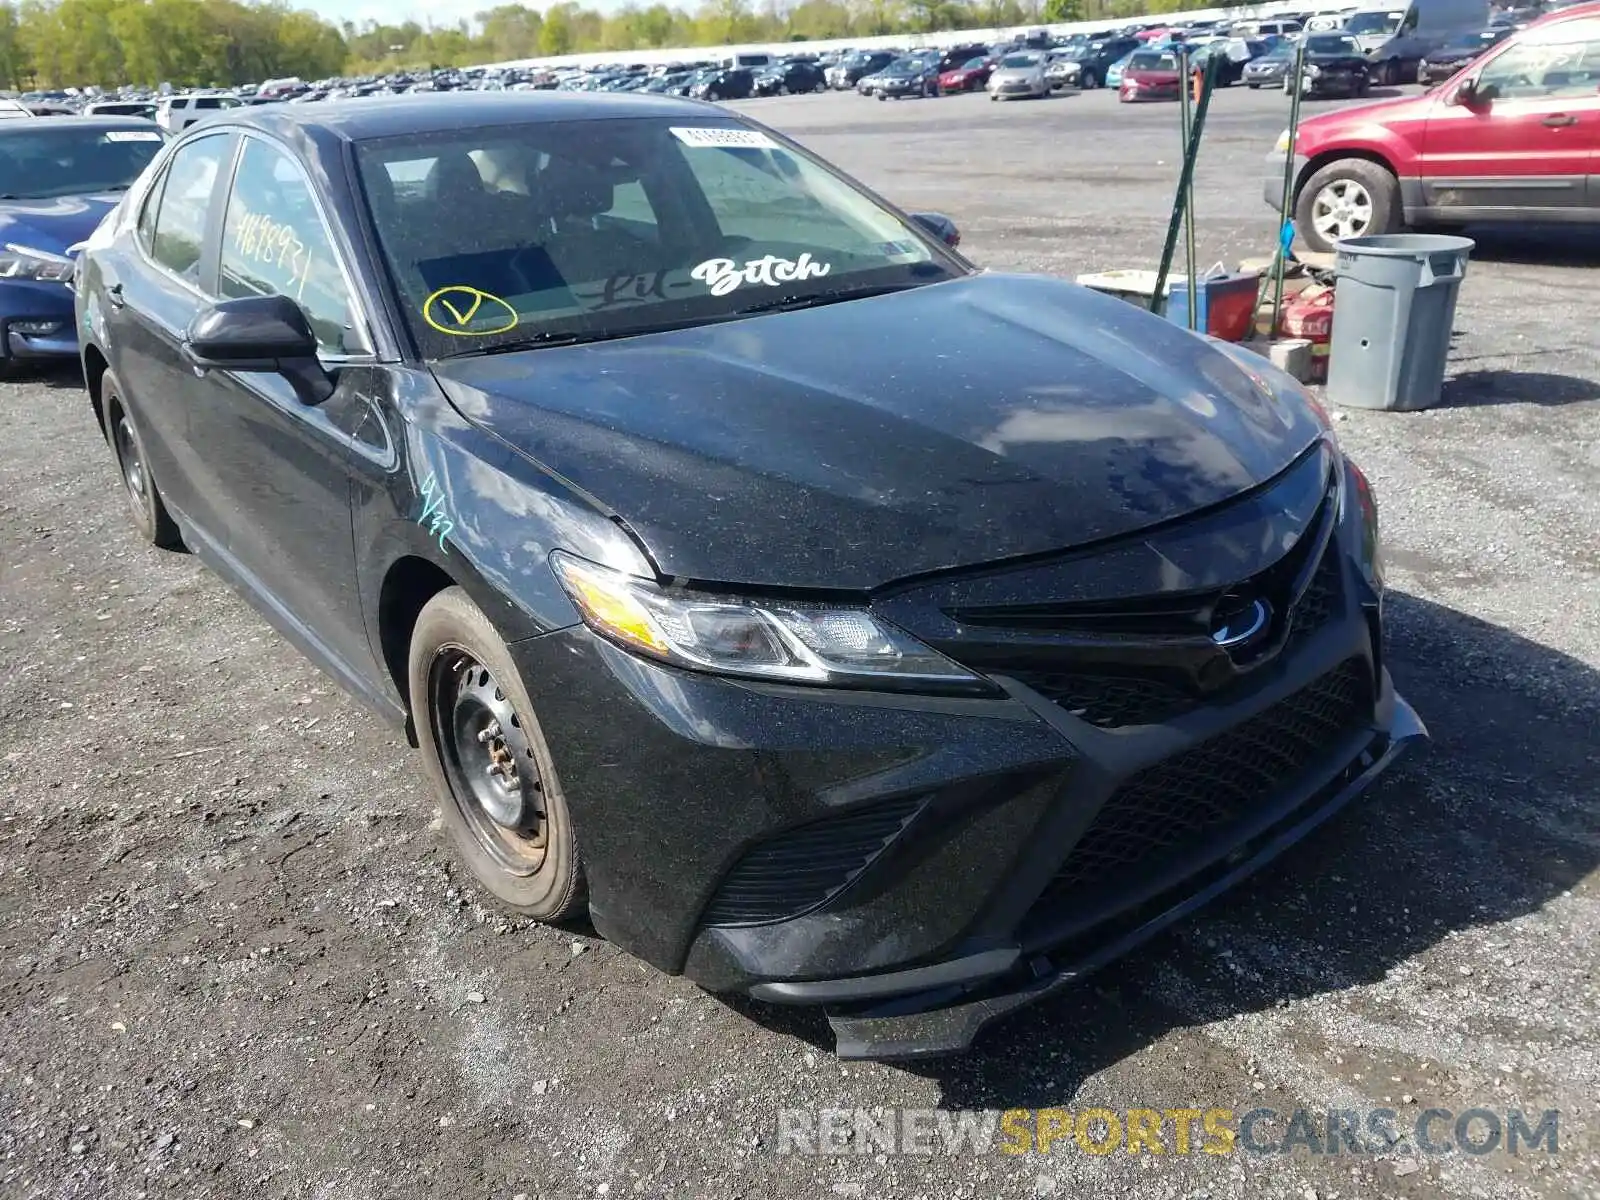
(360, 118)
(104, 121)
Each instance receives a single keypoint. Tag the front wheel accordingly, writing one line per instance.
(1352, 197)
(1090, 81)
(489, 762)
(1253, 86)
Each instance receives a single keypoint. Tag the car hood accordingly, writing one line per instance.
(1004, 74)
(56, 224)
(856, 443)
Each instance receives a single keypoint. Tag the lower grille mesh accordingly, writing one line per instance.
(1217, 782)
(799, 870)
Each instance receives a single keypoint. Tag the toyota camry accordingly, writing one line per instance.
(832, 621)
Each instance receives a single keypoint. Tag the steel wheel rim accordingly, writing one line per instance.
(488, 761)
(128, 457)
(1342, 209)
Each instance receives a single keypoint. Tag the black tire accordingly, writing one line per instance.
(1088, 81)
(456, 656)
(150, 515)
(1378, 183)
(821, 86)
(1252, 86)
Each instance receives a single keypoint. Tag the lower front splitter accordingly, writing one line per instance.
(946, 1021)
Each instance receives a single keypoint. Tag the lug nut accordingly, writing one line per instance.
(489, 734)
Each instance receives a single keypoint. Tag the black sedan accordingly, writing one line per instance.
(914, 75)
(1441, 63)
(790, 78)
(735, 552)
(732, 83)
(1334, 66)
(1270, 68)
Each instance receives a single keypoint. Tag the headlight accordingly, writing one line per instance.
(1281, 146)
(20, 262)
(1371, 548)
(778, 640)
(1312, 70)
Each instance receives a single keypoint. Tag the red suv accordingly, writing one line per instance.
(1514, 136)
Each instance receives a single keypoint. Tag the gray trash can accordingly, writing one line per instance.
(1392, 311)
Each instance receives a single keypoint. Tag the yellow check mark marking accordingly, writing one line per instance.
(463, 318)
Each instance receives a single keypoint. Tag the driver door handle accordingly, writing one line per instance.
(1558, 120)
(114, 296)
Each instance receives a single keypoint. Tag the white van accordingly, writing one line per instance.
(177, 113)
(747, 60)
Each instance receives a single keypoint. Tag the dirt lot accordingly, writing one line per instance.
(234, 958)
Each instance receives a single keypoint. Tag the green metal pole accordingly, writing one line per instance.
(1186, 123)
(1185, 182)
(1280, 261)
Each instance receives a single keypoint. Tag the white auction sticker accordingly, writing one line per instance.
(705, 135)
(132, 135)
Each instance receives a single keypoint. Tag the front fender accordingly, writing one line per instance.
(449, 495)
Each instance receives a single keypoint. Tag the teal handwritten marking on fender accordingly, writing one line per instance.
(433, 517)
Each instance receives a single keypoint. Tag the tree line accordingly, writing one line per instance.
(220, 43)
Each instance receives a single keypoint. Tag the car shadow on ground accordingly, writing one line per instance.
(66, 375)
(1484, 825)
(1534, 245)
(1478, 389)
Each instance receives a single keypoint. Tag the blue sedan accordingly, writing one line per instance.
(59, 177)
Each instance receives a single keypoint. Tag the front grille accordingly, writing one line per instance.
(1111, 701)
(1320, 601)
(806, 867)
(1212, 785)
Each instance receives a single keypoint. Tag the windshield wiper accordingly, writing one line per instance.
(550, 340)
(817, 299)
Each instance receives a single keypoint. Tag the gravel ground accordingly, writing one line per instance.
(235, 958)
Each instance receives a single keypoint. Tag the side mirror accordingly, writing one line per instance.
(1469, 94)
(260, 333)
(940, 226)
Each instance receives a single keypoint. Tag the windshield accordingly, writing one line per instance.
(1332, 44)
(1373, 22)
(1480, 40)
(39, 162)
(1019, 61)
(1152, 62)
(510, 235)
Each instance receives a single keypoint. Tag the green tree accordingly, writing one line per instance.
(13, 58)
(1058, 11)
(556, 35)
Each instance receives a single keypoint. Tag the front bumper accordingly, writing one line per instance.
(921, 865)
(37, 320)
(1272, 178)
